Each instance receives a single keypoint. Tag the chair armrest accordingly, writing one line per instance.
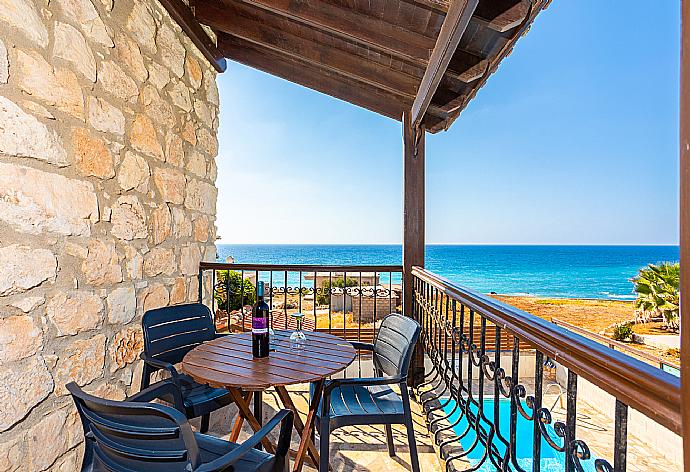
(366, 381)
(362, 346)
(225, 462)
(158, 364)
(157, 391)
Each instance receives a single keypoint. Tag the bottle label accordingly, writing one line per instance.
(259, 325)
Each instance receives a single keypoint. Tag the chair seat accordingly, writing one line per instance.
(211, 448)
(200, 399)
(364, 404)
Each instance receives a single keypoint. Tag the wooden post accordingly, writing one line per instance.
(685, 226)
(413, 224)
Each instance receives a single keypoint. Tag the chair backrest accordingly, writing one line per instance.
(173, 331)
(394, 344)
(127, 436)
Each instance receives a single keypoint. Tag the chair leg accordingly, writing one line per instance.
(324, 439)
(414, 458)
(389, 440)
(205, 420)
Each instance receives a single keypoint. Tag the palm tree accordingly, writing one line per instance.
(657, 289)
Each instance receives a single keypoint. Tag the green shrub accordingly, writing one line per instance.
(623, 332)
(232, 281)
(322, 297)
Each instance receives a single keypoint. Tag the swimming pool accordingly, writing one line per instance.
(551, 460)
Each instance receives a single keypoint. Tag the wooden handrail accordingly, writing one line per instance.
(612, 343)
(650, 390)
(299, 267)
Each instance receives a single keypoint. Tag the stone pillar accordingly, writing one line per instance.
(108, 120)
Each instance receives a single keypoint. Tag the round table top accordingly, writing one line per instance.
(228, 361)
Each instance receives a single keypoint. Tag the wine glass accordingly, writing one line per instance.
(298, 339)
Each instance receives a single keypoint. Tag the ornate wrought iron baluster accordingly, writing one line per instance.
(330, 292)
(359, 324)
(620, 452)
(460, 402)
(390, 292)
(315, 288)
(285, 302)
(571, 420)
(241, 300)
(344, 303)
(514, 399)
(270, 297)
(300, 293)
(498, 377)
(453, 390)
(536, 418)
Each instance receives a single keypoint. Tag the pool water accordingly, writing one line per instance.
(551, 460)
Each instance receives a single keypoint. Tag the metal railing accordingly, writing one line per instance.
(487, 386)
(344, 300)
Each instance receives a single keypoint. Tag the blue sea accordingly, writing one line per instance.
(546, 271)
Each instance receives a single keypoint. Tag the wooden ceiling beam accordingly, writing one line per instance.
(438, 6)
(502, 15)
(311, 76)
(507, 48)
(184, 17)
(256, 26)
(459, 14)
(350, 24)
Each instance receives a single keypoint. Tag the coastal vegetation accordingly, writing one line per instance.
(240, 290)
(658, 295)
(623, 332)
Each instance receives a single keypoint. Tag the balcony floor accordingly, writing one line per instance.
(355, 448)
(363, 448)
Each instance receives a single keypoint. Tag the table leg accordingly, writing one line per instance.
(259, 411)
(306, 446)
(239, 421)
(245, 411)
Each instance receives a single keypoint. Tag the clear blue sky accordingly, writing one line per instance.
(572, 141)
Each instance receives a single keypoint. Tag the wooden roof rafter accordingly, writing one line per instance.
(427, 57)
(184, 16)
(457, 19)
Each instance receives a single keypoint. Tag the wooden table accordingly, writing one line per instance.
(227, 362)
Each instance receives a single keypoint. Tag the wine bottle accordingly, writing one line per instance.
(260, 336)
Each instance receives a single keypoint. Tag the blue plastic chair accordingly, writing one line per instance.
(365, 401)
(137, 436)
(169, 334)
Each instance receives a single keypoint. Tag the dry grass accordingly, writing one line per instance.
(592, 315)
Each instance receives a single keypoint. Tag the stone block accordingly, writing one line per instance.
(20, 337)
(24, 267)
(102, 264)
(75, 311)
(23, 16)
(23, 384)
(35, 202)
(22, 135)
(82, 362)
(129, 219)
(122, 305)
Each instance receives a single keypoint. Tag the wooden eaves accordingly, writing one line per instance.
(429, 57)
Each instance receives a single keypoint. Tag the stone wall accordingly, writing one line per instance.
(108, 119)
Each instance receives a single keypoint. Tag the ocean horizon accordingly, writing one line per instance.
(558, 271)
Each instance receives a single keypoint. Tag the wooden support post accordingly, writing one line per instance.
(685, 226)
(413, 224)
